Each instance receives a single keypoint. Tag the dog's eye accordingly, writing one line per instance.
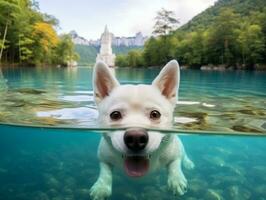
(155, 114)
(116, 115)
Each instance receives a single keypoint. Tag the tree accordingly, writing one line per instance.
(190, 49)
(165, 22)
(221, 41)
(65, 51)
(135, 59)
(8, 8)
(121, 60)
(252, 44)
(150, 53)
(45, 42)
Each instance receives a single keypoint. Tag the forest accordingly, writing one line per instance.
(230, 34)
(29, 37)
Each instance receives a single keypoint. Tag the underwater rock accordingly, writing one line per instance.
(261, 190)
(51, 182)
(151, 193)
(259, 172)
(236, 169)
(197, 186)
(200, 124)
(130, 196)
(70, 182)
(229, 115)
(52, 193)
(16, 104)
(58, 198)
(70, 197)
(208, 105)
(192, 198)
(50, 121)
(250, 110)
(82, 193)
(50, 104)
(226, 179)
(29, 91)
(214, 160)
(184, 120)
(41, 196)
(242, 128)
(67, 191)
(236, 193)
(223, 151)
(212, 195)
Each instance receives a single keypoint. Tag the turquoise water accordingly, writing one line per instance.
(208, 100)
(49, 162)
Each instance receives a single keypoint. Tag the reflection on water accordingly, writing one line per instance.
(3, 86)
(57, 164)
(212, 101)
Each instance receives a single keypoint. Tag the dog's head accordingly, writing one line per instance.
(142, 106)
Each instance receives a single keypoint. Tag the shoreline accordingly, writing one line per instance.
(257, 67)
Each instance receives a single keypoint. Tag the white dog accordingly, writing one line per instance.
(136, 150)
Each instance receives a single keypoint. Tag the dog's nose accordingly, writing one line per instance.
(136, 139)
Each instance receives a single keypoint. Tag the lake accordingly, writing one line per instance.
(49, 151)
(208, 100)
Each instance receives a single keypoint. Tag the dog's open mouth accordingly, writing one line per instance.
(136, 166)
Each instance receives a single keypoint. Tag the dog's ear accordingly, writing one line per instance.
(168, 80)
(103, 81)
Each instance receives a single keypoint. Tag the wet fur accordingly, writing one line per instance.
(136, 102)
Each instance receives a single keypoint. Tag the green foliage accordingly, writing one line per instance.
(125, 49)
(159, 50)
(230, 33)
(134, 58)
(121, 61)
(86, 53)
(207, 17)
(65, 52)
(221, 42)
(252, 44)
(27, 35)
(190, 49)
(165, 22)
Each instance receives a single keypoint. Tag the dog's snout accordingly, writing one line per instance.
(136, 139)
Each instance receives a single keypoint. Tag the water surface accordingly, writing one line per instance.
(208, 100)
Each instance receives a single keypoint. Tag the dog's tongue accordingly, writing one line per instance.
(136, 166)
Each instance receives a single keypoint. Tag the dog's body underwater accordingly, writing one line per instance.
(136, 150)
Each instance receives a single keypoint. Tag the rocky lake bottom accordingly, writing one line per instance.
(57, 164)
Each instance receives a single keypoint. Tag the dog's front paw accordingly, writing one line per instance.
(177, 184)
(100, 191)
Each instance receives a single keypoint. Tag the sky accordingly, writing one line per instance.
(123, 17)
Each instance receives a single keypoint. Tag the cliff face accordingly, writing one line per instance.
(137, 40)
(78, 39)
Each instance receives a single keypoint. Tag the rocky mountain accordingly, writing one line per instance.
(135, 41)
(88, 50)
(78, 39)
